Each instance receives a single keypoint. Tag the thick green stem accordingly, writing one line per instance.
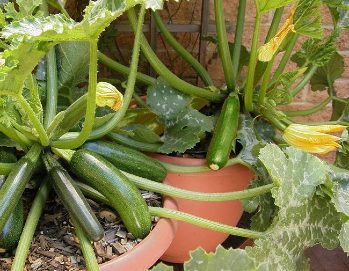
(171, 191)
(204, 223)
(274, 24)
(131, 82)
(265, 82)
(91, 105)
(261, 66)
(5, 168)
(309, 111)
(116, 66)
(252, 65)
(86, 248)
(305, 80)
(30, 226)
(171, 78)
(52, 88)
(195, 169)
(34, 120)
(238, 36)
(193, 62)
(223, 45)
(16, 136)
(286, 57)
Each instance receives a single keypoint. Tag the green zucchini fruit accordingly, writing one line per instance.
(134, 144)
(14, 185)
(73, 199)
(12, 230)
(123, 196)
(224, 133)
(129, 160)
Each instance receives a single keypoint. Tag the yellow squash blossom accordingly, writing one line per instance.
(268, 50)
(313, 139)
(108, 95)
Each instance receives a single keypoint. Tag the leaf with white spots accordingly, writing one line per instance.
(344, 237)
(222, 260)
(183, 124)
(296, 174)
(294, 230)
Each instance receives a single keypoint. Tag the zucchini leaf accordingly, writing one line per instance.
(97, 16)
(183, 125)
(317, 53)
(326, 75)
(25, 8)
(264, 6)
(307, 19)
(280, 94)
(343, 11)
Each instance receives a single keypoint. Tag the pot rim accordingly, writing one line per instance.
(157, 242)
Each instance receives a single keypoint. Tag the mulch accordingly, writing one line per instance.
(56, 248)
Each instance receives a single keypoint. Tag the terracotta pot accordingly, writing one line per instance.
(189, 237)
(147, 252)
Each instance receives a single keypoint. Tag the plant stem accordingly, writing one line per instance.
(52, 82)
(16, 136)
(139, 101)
(195, 169)
(171, 191)
(261, 66)
(309, 111)
(116, 66)
(305, 80)
(280, 69)
(131, 82)
(193, 62)
(265, 82)
(86, 248)
(204, 223)
(252, 65)
(5, 168)
(238, 36)
(91, 105)
(52, 88)
(223, 45)
(274, 24)
(30, 226)
(171, 78)
(34, 120)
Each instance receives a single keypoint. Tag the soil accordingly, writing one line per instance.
(55, 246)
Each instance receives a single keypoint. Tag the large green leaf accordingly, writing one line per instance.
(222, 259)
(296, 174)
(73, 61)
(344, 237)
(183, 125)
(315, 52)
(267, 5)
(343, 11)
(282, 247)
(326, 75)
(25, 8)
(307, 19)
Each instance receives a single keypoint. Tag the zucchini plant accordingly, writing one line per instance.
(53, 107)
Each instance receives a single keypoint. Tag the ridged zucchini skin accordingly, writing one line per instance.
(224, 134)
(14, 185)
(12, 230)
(124, 197)
(134, 144)
(129, 160)
(73, 199)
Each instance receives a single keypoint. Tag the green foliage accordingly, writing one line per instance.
(184, 126)
(307, 19)
(25, 8)
(326, 75)
(264, 6)
(280, 93)
(316, 53)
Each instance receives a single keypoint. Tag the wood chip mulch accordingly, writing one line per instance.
(56, 248)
